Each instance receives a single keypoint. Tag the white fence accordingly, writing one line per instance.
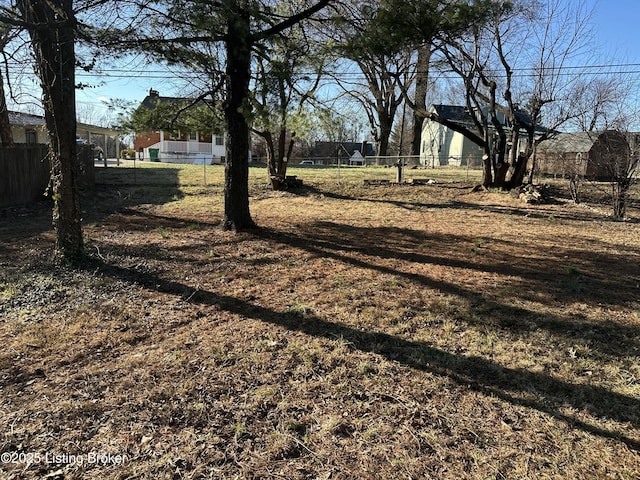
(391, 160)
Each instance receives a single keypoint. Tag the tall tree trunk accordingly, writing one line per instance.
(236, 185)
(282, 146)
(52, 25)
(517, 161)
(272, 167)
(385, 133)
(487, 156)
(420, 98)
(6, 135)
(487, 168)
(501, 164)
(519, 172)
(532, 153)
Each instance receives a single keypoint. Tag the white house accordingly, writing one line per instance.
(183, 147)
(442, 146)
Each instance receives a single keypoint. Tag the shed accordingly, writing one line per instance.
(594, 155)
(356, 158)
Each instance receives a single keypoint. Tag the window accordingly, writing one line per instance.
(30, 136)
(193, 136)
(219, 141)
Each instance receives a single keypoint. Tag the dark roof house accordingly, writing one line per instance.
(342, 150)
(443, 143)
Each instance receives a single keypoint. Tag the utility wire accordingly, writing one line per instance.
(565, 70)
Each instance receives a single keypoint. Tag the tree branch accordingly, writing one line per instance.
(291, 21)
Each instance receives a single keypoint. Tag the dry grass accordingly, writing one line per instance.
(383, 332)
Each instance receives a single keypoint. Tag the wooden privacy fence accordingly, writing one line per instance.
(25, 173)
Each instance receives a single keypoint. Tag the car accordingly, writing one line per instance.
(307, 162)
(98, 152)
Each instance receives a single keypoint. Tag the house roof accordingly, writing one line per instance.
(342, 149)
(574, 142)
(25, 119)
(454, 113)
(154, 97)
(460, 114)
(21, 119)
(151, 100)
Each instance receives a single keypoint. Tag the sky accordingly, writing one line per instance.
(614, 23)
(616, 27)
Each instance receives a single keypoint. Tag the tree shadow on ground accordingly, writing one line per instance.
(343, 242)
(516, 386)
(365, 247)
(540, 211)
(312, 190)
(601, 279)
(116, 189)
(540, 268)
(113, 192)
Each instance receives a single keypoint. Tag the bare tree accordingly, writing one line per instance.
(423, 62)
(617, 155)
(376, 87)
(623, 170)
(514, 72)
(337, 122)
(287, 77)
(391, 42)
(376, 72)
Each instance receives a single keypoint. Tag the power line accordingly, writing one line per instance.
(523, 72)
(521, 69)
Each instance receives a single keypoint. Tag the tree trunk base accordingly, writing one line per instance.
(231, 226)
(286, 183)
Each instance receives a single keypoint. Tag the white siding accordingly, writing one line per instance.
(442, 146)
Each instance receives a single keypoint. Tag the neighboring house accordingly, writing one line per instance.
(442, 146)
(332, 152)
(183, 147)
(594, 155)
(31, 129)
(27, 128)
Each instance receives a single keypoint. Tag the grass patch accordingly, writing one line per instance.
(573, 270)
(352, 336)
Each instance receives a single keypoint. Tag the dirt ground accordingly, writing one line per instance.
(387, 332)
